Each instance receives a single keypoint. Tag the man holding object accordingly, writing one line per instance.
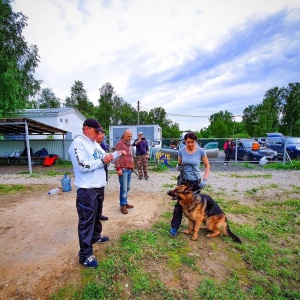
(141, 156)
(88, 161)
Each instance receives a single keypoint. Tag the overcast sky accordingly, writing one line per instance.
(194, 58)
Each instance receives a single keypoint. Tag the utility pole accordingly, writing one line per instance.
(138, 109)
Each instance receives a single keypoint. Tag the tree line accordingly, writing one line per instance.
(278, 112)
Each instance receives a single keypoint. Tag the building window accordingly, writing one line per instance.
(66, 121)
(61, 119)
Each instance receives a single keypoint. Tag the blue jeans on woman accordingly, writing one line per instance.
(124, 180)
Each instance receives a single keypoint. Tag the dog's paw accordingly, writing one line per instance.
(194, 237)
(186, 232)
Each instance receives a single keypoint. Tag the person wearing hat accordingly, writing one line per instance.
(141, 156)
(100, 141)
(88, 161)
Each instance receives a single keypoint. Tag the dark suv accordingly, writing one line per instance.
(276, 142)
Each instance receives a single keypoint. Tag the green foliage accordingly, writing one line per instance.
(47, 99)
(18, 61)
(295, 165)
(79, 100)
(11, 188)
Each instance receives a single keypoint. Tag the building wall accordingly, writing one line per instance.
(68, 119)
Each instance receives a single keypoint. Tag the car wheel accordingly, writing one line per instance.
(289, 154)
(246, 157)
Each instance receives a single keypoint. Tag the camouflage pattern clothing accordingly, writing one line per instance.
(141, 163)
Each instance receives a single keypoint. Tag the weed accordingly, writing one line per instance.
(252, 191)
(11, 188)
(235, 175)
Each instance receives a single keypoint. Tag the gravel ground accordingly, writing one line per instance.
(221, 178)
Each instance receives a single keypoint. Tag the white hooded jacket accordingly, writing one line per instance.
(86, 158)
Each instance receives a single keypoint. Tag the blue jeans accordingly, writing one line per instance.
(124, 180)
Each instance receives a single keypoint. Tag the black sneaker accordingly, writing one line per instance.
(102, 240)
(90, 262)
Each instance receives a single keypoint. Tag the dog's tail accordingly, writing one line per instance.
(234, 237)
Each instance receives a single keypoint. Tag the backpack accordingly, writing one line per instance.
(41, 153)
(24, 153)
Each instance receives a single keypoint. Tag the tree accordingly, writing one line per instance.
(105, 108)
(158, 116)
(80, 101)
(221, 124)
(291, 110)
(18, 61)
(47, 99)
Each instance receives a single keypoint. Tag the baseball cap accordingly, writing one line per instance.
(140, 133)
(94, 124)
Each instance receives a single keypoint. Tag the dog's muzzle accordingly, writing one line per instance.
(172, 194)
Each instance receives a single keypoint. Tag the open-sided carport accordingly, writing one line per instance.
(26, 127)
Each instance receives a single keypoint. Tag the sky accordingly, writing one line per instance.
(194, 58)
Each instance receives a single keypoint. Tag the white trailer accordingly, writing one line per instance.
(152, 133)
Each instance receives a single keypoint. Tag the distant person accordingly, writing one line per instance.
(102, 144)
(88, 161)
(124, 167)
(228, 149)
(190, 159)
(141, 156)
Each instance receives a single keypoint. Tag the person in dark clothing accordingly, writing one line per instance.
(141, 156)
(228, 149)
(102, 144)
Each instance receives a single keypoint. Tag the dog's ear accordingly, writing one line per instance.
(189, 188)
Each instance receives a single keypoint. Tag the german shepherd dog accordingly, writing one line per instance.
(201, 208)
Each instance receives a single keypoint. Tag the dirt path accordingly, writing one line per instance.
(38, 234)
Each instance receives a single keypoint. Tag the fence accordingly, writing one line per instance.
(60, 148)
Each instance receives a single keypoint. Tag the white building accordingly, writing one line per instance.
(69, 119)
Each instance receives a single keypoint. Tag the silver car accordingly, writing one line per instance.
(211, 149)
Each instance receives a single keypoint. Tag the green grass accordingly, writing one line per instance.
(149, 264)
(6, 189)
(295, 165)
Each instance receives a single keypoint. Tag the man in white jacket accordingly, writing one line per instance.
(88, 160)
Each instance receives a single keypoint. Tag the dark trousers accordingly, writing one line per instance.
(89, 203)
(227, 155)
(177, 214)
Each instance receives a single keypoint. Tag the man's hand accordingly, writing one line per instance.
(108, 158)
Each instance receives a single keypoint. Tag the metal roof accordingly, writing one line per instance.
(16, 126)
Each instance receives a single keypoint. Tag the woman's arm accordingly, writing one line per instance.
(206, 166)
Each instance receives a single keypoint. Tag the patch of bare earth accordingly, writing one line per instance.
(38, 232)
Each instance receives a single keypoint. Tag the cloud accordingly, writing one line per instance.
(192, 58)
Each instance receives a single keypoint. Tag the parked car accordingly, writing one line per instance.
(247, 152)
(154, 147)
(276, 142)
(211, 149)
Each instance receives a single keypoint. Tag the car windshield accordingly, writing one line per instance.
(248, 144)
(293, 140)
(211, 145)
